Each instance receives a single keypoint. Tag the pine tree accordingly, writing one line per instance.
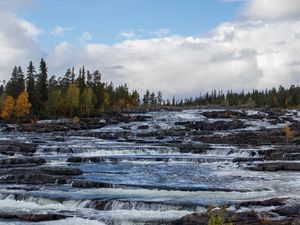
(11, 85)
(98, 89)
(159, 98)
(20, 81)
(135, 98)
(81, 80)
(42, 85)
(173, 101)
(89, 79)
(146, 99)
(72, 76)
(152, 99)
(30, 85)
(67, 79)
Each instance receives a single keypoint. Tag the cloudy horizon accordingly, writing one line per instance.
(258, 48)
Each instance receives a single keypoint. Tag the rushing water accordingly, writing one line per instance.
(150, 179)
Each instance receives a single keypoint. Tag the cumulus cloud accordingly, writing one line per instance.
(60, 31)
(85, 37)
(272, 9)
(16, 5)
(127, 34)
(18, 43)
(234, 56)
(144, 34)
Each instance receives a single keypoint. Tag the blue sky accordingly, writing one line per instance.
(106, 20)
(180, 47)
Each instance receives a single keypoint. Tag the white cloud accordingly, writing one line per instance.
(272, 9)
(18, 43)
(127, 34)
(144, 34)
(60, 31)
(16, 5)
(234, 56)
(85, 37)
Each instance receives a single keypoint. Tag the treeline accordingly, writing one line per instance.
(34, 95)
(72, 94)
(275, 98)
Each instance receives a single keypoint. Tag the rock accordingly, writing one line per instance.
(193, 219)
(246, 137)
(61, 171)
(241, 218)
(291, 209)
(276, 166)
(32, 178)
(31, 216)
(288, 152)
(215, 126)
(224, 114)
(194, 148)
(267, 202)
(12, 148)
(21, 162)
(90, 184)
(143, 127)
(240, 159)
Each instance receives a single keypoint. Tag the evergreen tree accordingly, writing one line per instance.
(42, 85)
(159, 98)
(98, 89)
(67, 79)
(152, 99)
(173, 101)
(146, 99)
(81, 80)
(135, 98)
(89, 79)
(20, 81)
(30, 84)
(72, 75)
(11, 86)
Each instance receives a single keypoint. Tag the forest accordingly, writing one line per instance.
(34, 95)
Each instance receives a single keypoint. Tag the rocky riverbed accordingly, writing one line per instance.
(161, 167)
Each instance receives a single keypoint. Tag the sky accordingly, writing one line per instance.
(179, 47)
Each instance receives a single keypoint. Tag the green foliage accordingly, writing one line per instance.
(69, 95)
(218, 217)
(31, 85)
(42, 86)
(16, 85)
(86, 102)
(72, 99)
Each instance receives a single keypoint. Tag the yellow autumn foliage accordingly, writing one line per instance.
(8, 107)
(288, 133)
(23, 105)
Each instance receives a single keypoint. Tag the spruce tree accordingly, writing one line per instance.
(146, 99)
(30, 84)
(11, 85)
(20, 81)
(42, 85)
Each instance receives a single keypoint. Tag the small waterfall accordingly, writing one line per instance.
(229, 151)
